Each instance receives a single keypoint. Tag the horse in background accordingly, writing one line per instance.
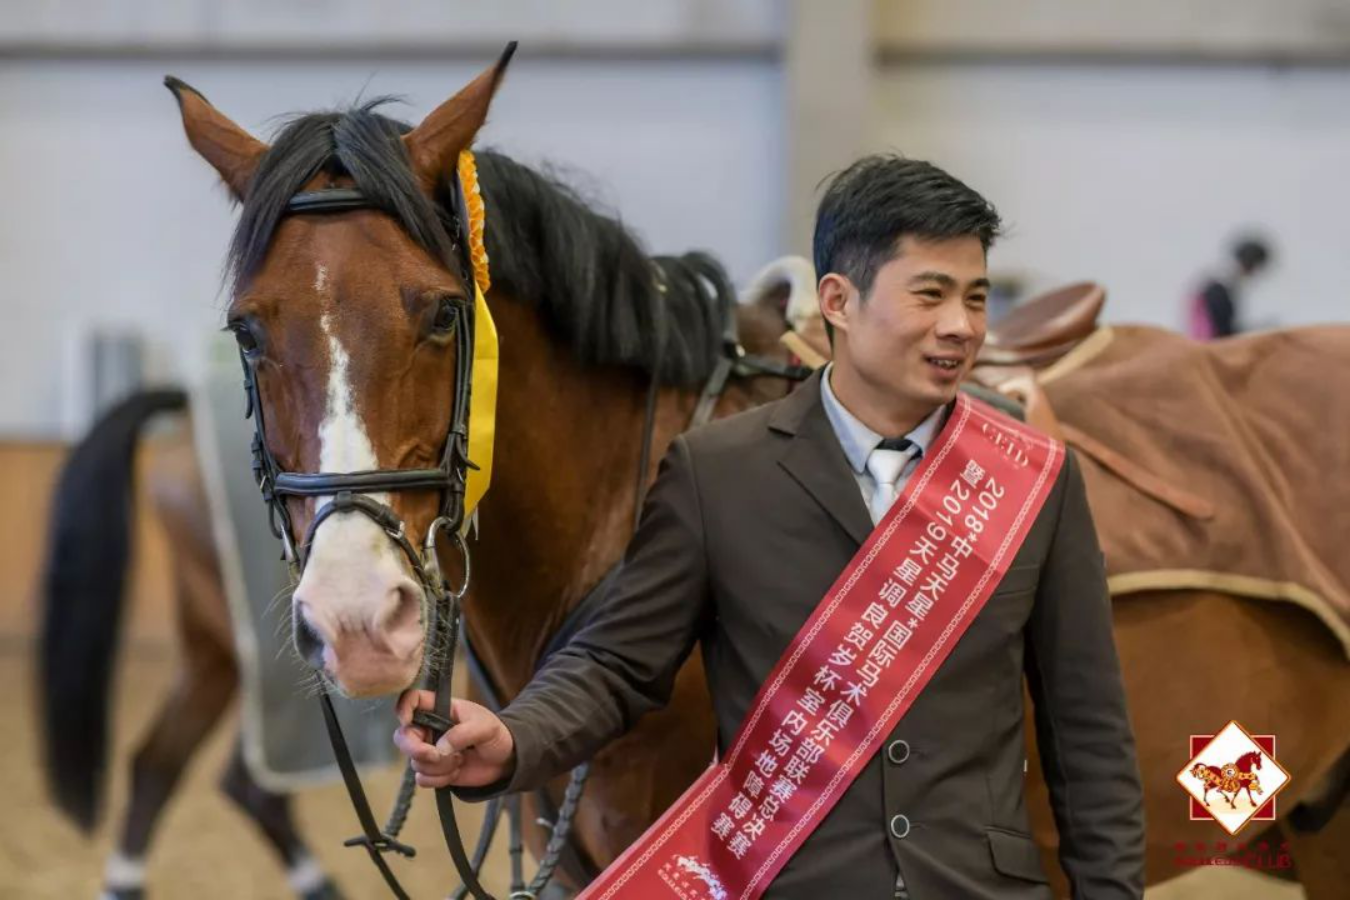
(83, 583)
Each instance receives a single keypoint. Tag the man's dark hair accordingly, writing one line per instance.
(871, 205)
(1251, 254)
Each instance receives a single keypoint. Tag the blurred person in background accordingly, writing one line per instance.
(1215, 310)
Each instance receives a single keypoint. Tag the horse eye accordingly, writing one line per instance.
(248, 341)
(446, 317)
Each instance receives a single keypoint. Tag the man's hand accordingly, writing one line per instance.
(477, 751)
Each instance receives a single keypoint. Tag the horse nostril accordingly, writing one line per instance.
(402, 612)
(308, 643)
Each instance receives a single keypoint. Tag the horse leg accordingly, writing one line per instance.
(207, 678)
(272, 812)
(204, 688)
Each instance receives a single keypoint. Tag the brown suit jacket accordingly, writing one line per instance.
(749, 522)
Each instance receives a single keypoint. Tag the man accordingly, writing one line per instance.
(751, 521)
(1215, 311)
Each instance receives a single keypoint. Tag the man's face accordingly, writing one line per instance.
(916, 334)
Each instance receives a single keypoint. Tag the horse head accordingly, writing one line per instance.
(349, 301)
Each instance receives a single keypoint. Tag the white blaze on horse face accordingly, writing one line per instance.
(356, 589)
(344, 445)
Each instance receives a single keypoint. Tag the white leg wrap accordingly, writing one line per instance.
(305, 875)
(123, 873)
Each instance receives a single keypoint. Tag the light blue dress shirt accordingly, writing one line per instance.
(858, 441)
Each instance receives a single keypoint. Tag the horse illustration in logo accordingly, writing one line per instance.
(1231, 779)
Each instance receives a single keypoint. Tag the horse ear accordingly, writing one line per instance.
(435, 145)
(230, 149)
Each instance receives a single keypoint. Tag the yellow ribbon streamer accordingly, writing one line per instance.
(483, 399)
(482, 406)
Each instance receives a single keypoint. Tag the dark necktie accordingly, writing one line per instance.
(901, 443)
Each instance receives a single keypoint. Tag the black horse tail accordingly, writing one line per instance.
(83, 577)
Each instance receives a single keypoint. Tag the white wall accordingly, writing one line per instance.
(1248, 30)
(109, 217)
(1135, 175)
(577, 26)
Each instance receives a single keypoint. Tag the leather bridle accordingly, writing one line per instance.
(350, 489)
(350, 492)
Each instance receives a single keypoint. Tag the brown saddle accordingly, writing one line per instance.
(1046, 327)
(1032, 336)
(1040, 332)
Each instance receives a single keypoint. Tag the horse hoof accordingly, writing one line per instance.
(325, 891)
(122, 894)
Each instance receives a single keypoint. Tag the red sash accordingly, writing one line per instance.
(855, 667)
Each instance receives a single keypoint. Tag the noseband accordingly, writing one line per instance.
(350, 492)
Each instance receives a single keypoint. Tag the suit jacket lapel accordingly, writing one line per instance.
(814, 459)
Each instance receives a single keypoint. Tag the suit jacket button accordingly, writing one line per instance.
(900, 827)
(897, 752)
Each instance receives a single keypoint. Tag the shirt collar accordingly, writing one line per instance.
(857, 440)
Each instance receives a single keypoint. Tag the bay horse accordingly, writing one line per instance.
(581, 318)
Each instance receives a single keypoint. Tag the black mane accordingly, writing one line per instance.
(593, 284)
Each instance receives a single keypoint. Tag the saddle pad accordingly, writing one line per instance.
(285, 744)
(1256, 425)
